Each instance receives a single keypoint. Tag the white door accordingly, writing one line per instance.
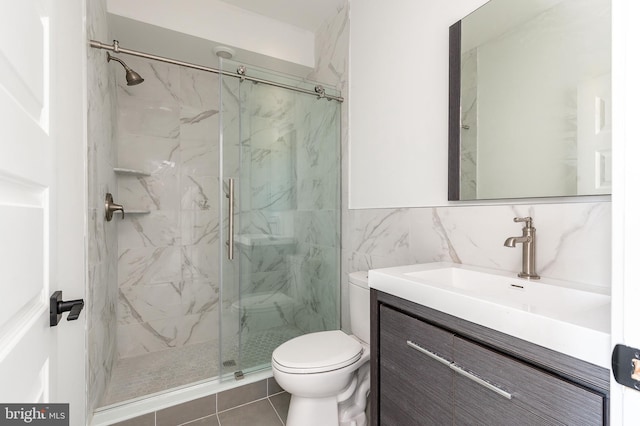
(625, 325)
(41, 201)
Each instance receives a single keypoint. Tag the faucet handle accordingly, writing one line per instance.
(528, 221)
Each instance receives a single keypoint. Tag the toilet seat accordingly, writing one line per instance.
(317, 353)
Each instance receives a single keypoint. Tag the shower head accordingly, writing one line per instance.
(132, 77)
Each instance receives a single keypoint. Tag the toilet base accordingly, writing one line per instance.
(312, 411)
(345, 409)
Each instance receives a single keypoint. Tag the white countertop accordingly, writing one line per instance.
(570, 318)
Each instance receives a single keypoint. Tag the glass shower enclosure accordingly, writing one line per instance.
(186, 313)
(280, 186)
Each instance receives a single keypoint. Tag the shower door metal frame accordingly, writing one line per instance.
(318, 91)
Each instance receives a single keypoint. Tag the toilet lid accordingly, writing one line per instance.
(317, 352)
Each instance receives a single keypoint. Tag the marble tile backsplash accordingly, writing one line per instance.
(573, 240)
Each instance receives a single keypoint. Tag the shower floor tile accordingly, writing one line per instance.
(258, 347)
(163, 370)
(159, 371)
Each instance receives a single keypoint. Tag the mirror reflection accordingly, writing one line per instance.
(535, 96)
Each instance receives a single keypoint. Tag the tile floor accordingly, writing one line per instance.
(262, 403)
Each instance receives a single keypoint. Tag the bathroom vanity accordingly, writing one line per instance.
(429, 367)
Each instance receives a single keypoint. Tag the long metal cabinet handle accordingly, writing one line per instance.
(428, 353)
(230, 196)
(459, 370)
(479, 381)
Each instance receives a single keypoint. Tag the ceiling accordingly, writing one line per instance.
(139, 29)
(306, 14)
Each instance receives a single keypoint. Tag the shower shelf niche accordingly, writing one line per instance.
(130, 172)
(120, 171)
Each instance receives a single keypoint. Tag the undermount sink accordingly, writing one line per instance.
(570, 318)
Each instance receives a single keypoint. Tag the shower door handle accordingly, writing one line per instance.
(230, 196)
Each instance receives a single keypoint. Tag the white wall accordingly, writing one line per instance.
(223, 23)
(399, 90)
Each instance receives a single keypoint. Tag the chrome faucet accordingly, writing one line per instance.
(528, 241)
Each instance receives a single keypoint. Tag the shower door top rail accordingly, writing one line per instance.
(115, 47)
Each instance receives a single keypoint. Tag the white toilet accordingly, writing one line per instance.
(327, 373)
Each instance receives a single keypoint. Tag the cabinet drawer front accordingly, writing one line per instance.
(532, 389)
(475, 405)
(417, 389)
(405, 328)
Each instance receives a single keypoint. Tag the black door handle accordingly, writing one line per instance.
(57, 306)
(625, 363)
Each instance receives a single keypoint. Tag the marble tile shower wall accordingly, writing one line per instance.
(316, 223)
(167, 266)
(101, 293)
(268, 141)
(332, 67)
(290, 157)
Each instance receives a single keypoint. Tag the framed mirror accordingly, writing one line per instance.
(530, 100)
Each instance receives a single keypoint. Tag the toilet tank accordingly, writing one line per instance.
(359, 305)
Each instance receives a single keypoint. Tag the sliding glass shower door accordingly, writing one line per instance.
(280, 185)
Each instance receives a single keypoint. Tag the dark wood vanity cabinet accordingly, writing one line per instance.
(428, 398)
(429, 368)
